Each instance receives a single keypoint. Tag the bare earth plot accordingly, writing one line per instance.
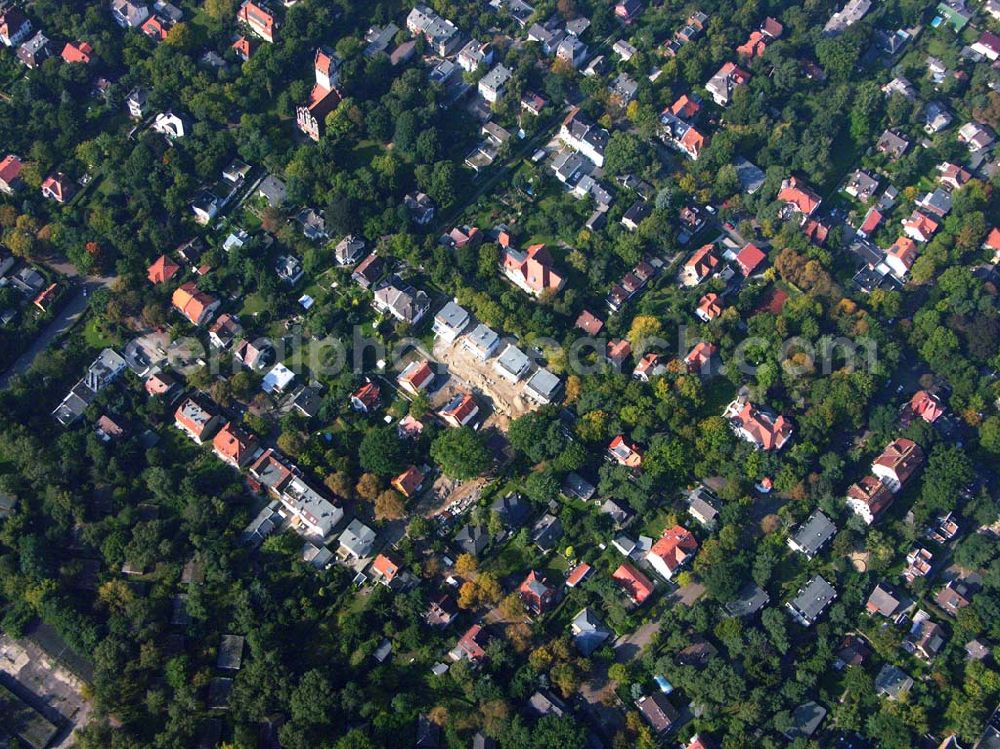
(470, 374)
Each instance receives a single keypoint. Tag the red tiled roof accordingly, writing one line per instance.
(162, 269)
(749, 258)
(625, 453)
(709, 306)
(10, 169)
(233, 445)
(755, 46)
(993, 240)
(902, 457)
(699, 355)
(871, 222)
(675, 546)
(685, 107)
(872, 492)
(386, 567)
(798, 196)
(577, 574)
(367, 394)
(927, 406)
(408, 481)
(191, 302)
(534, 268)
(592, 325)
(636, 584)
(77, 52)
(471, 644)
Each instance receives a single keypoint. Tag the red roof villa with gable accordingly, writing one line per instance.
(700, 265)
(77, 52)
(749, 258)
(700, 355)
(471, 646)
(635, 584)
(757, 425)
(385, 568)
(674, 548)
(10, 173)
(408, 482)
(365, 398)
(162, 270)
(57, 187)
(537, 595)
(927, 406)
(869, 498)
(531, 270)
(233, 446)
(625, 453)
(259, 18)
(685, 107)
(900, 460)
(798, 196)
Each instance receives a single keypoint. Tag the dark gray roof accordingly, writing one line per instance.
(805, 720)
(813, 599)
(813, 534)
(749, 600)
(892, 682)
(577, 486)
(472, 539)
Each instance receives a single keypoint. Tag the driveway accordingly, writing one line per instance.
(65, 319)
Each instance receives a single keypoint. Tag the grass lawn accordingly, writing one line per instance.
(252, 304)
(362, 154)
(96, 337)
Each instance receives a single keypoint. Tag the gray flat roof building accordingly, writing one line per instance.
(812, 535)
(811, 601)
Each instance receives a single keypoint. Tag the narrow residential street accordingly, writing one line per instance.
(68, 316)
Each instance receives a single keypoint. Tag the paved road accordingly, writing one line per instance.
(65, 319)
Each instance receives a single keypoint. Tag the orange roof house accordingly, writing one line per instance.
(385, 568)
(234, 446)
(673, 549)
(416, 376)
(692, 141)
(259, 18)
(709, 307)
(162, 270)
(57, 187)
(532, 270)
(77, 52)
(197, 306)
(636, 585)
(685, 107)
(755, 46)
(757, 425)
(578, 574)
(920, 227)
(700, 355)
(155, 28)
(625, 453)
(901, 256)
(366, 397)
(460, 410)
(700, 265)
(927, 406)
(993, 240)
(472, 645)
(589, 323)
(535, 592)
(869, 498)
(408, 482)
(798, 196)
(10, 173)
(243, 47)
(749, 258)
(897, 464)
